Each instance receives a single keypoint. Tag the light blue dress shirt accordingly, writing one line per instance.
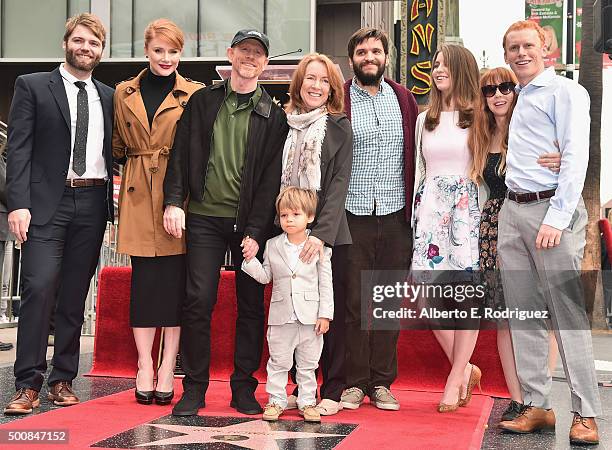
(550, 108)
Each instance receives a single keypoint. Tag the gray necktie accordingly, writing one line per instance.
(82, 123)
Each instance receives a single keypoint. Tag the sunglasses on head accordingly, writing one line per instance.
(505, 88)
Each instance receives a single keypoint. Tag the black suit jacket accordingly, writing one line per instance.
(38, 146)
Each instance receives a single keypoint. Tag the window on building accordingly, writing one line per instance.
(220, 22)
(209, 25)
(121, 29)
(288, 26)
(183, 13)
(21, 17)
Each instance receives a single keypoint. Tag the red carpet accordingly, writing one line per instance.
(422, 365)
(114, 348)
(416, 426)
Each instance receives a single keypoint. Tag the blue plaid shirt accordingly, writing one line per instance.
(377, 177)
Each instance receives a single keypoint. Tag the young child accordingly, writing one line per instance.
(301, 306)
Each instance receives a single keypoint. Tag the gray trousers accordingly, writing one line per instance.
(288, 342)
(547, 280)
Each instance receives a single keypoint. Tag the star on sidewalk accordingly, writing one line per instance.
(255, 435)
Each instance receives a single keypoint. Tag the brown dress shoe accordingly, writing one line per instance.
(583, 431)
(23, 402)
(530, 420)
(61, 394)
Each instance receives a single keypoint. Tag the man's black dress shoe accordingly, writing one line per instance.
(189, 404)
(245, 403)
(512, 411)
(144, 397)
(4, 346)
(163, 398)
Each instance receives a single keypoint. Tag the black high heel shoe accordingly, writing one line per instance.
(163, 398)
(144, 397)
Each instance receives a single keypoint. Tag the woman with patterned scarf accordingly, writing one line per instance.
(318, 154)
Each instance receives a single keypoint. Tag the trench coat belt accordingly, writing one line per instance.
(154, 167)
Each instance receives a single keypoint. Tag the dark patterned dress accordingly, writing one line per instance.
(488, 233)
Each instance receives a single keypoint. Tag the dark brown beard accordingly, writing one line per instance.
(367, 79)
(74, 62)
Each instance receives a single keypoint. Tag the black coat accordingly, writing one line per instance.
(38, 144)
(262, 168)
(330, 224)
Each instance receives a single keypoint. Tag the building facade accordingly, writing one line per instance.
(31, 33)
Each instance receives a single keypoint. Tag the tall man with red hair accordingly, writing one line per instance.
(542, 226)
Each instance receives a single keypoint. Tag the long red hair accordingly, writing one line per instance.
(485, 126)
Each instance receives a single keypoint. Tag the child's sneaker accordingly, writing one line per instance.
(272, 412)
(310, 414)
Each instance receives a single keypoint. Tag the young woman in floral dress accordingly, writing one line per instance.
(446, 215)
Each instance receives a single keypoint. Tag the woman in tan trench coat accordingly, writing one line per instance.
(147, 109)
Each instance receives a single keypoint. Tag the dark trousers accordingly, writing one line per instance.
(334, 344)
(207, 241)
(379, 243)
(58, 261)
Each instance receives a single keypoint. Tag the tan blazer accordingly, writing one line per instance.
(308, 290)
(141, 230)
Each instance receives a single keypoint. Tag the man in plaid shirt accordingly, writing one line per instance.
(378, 208)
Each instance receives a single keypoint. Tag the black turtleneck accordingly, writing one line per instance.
(154, 89)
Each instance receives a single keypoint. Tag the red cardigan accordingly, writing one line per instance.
(408, 107)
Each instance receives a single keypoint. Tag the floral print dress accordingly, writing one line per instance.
(494, 297)
(447, 217)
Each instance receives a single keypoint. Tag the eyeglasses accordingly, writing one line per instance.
(505, 88)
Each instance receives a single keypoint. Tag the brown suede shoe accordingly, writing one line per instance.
(23, 402)
(530, 420)
(61, 394)
(583, 431)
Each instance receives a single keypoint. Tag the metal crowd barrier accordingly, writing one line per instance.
(10, 276)
(108, 257)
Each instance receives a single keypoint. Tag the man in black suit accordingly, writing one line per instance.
(59, 199)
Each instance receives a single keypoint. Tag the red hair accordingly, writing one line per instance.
(167, 30)
(485, 126)
(525, 25)
(335, 101)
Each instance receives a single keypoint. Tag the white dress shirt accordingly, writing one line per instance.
(550, 108)
(95, 166)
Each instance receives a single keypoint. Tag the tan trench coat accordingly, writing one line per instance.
(141, 230)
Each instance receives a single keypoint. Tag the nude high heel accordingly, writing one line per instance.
(444, 408)
(475, 376)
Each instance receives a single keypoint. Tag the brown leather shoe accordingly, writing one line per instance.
(583, 431)
(23, 402)
(530, 420)
(61, 394)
